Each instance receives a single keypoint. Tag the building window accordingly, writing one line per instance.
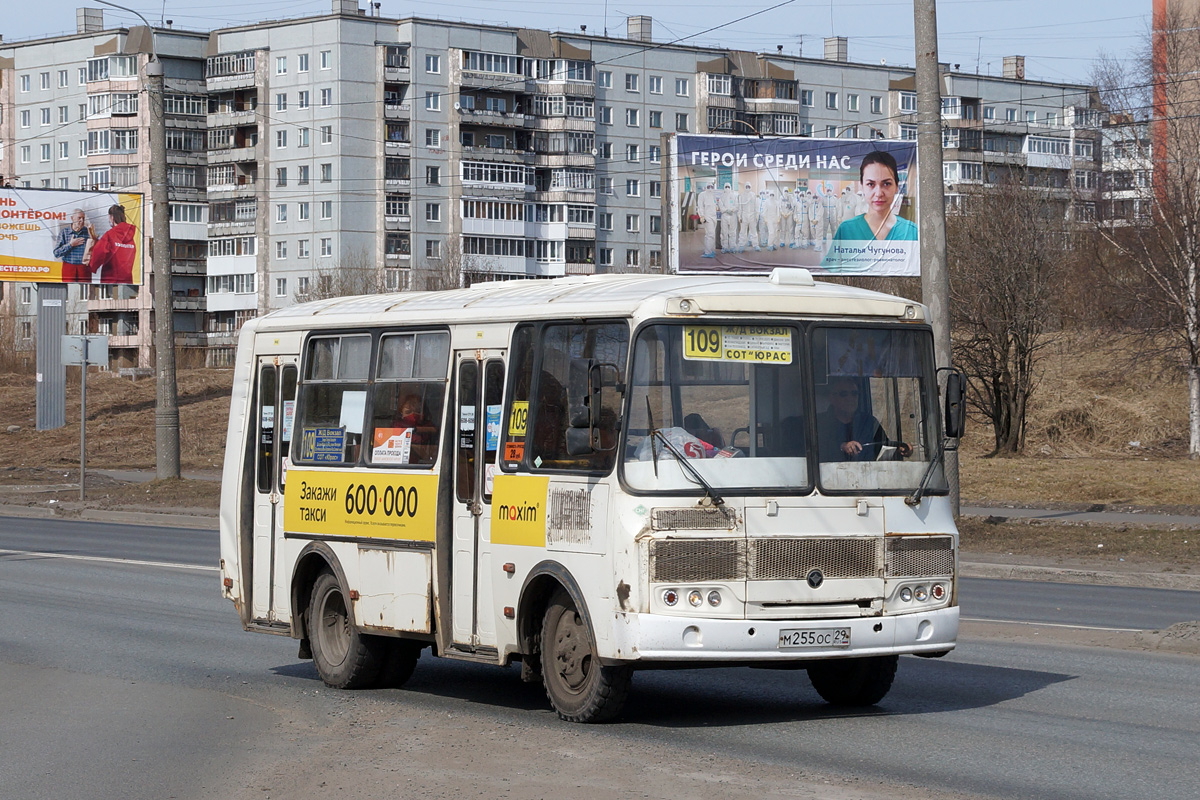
(64, 150)
(281, 287)
(280, 251)
(303, 211)
(281, 212)
(720, 85)
(655, 119)
(606, 185)
(681, 123)
(45, 151)
(604, 221)
(655, 154)
(326, 59)
(281, 102)
(326, 173)
(633, 257)
(24, 83)
(302, 285)
(433, 137)
(831, 101)
(281, 65)
(852, 102)
(326, 209)
(302, 248)
(302, 177)
(656, 84)
(281, 139)
(631, 117)
(908, 102)
(302, 137)
(603, 79)
(326, 134)
(1010, 115)
(433, 64)
(633, 223)
(281, 176)
(26, 295)
(1031, 117)
(302, 62)
(63, 79)
(326, 246)
(989, 113)
(606, 149)
(604, 256)
(433, 101)
(656, 188)
(433, 212)
(631, 82)
(806, 97)
(25, 154)
(302, 99)
(876, 105)
(25, 117)
(633, 187)
(631, 152)
(656, 258)
(655, 223)
(433, 248)
(45, 114)
(681, 87)
(605, 117)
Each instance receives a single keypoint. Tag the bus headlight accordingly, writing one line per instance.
(921, 593)
(714, 598)
(906, 594)
(695, 597)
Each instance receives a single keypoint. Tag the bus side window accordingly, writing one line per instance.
(285, 417)
(408, 399)
(332, 400)
(516, 415)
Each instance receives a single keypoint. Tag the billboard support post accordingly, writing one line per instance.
(935, 275)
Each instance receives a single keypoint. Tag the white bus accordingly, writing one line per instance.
(593, 475)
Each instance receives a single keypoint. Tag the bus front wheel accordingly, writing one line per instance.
(345, 658)
(853, 681)
(580, 688)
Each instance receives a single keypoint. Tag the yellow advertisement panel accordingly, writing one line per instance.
(61, 236)
(519, 510)
(394, 505)
(754, 343)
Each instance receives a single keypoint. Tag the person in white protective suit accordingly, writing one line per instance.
(833, 216)
(770, 215)
(801, 238)
(816, 220)
(728, 204)
(706, 208)
(787, 213)
(747, 217)
(849, 204)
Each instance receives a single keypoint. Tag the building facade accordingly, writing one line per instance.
(352, 152)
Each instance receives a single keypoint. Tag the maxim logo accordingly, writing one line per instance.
(526, 513)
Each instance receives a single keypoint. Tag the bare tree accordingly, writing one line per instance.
(453, 268)
(353, 274)
(1005, 256)
(1155, 256)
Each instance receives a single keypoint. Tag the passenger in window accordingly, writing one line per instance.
(848, 433)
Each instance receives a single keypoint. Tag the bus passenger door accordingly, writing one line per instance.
(275, 399)
(480, 390)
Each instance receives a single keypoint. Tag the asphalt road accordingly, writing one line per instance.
(122, 679)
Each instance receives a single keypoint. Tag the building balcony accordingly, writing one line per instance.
(567, 88)
(123, 342)
(186, 193)
(396, 223)
(586, 196)
(396, 110)
(229, 191)
(230, 119)
(962, 122)
(397, 183)
(132, 304)
(770, 105)
(391, 74)
(587, 232)
(187, 266)
(499, 81)
(241, 227)
(503, 154)
(396, 148)
(223, 83)
(483, 116)
(721, 101)
(583, 160)
(582, 124)
(183, 302)
(206, 339)
(397, 259)
(232, 155)
(580, 268)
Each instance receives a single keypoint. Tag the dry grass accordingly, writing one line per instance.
(1092, 546)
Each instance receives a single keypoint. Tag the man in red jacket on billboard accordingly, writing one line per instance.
(116, 251)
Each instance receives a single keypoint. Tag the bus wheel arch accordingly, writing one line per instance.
(540, 585)
(315, 558)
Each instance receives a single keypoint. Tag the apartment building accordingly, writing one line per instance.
(74, 115)
(417, 153)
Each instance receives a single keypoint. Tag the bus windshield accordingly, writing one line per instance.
(741, 405)
(731, 398)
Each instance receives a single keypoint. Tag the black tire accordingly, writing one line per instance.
(345, 658)
(580, 688)
(853, 682)
(399, 661)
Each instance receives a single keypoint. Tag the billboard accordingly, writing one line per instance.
(49, 236)
(744, 204)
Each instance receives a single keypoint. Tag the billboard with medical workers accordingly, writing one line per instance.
(62, 236)
(833, 206)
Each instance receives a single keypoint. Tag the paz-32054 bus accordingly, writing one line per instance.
(595, 475)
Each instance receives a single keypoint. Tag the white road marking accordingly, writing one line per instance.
(126, 561)
(1052, 625)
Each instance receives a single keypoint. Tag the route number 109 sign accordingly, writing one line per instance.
(740, 343)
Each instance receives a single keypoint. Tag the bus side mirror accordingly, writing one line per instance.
(585, 382)
(956, 390)
(581, 399)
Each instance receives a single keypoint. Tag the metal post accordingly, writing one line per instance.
(935, 277)
(83, 417)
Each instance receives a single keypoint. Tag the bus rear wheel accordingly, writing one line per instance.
(852, 682)
(580, 688)
(345, 658)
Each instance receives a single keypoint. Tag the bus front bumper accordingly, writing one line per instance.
(656, 637)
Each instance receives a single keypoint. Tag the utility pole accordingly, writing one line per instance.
(166, 406)
(935, 276)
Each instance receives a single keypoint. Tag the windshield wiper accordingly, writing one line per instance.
(685, 463)
(653, 435)
(914, 499)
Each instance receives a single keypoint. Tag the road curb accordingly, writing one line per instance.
(1023, 572)
(148, 518)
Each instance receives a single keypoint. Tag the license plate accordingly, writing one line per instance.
(814, 637)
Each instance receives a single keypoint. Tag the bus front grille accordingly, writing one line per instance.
(920, 556)
(793, 559)
(698, 560)
(682, 560)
